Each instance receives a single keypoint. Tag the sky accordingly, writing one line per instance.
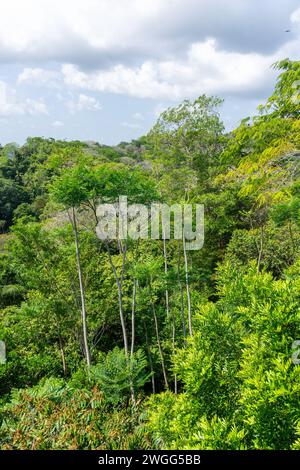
(103, 70)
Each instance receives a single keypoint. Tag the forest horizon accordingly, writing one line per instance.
(150, 288)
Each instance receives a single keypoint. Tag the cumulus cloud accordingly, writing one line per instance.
(84, 103)
(131, 125)
(206, 68)
(96, 33)
(295, 17)
(57, 124)
(183, 48)
(38, 76)
(138, 116)
(163, 50)
(10, 104)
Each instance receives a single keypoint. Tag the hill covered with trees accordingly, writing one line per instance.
(140, 344)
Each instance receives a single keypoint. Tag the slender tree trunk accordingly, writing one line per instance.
(175, 384)
(159, 347)
(119, 282)
(120, 301)
(259, 245)
(181, 295)
(187, 287)
(135, 282)
(173, 344)
(167, 301)
(260, 250)
(166, 272)
(122, 318)
(292, 238)
(82, 293)
(62, 353)
(158, 340)
(150, 358)
(124, 329)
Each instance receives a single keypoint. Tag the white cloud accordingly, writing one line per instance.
(295, 17)
(57, 124)
(138, 116)
(35, 28)
(183, 49)
(131, 125)
(10, 104)
(206, 68)
(34, 107)
(93, 30)
(164, 50)
(38, 76)
(84, 103)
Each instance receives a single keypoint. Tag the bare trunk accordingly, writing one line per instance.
(187, 287)
(119, 283)
(259, 246)
(260, 250)
(150, 358)
(62, 353)
(173, 344)
(158, 341)
(167, 302)
(181, 295)
(120, 300)
(166, 272)
(122, 319)
(124, 331)
(82, 293)
(135, 282)
(133, 316)
(292, 238)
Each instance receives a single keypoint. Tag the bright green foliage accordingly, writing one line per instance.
(279, 249)
(232, 381)
(237, 374)
(106, 182)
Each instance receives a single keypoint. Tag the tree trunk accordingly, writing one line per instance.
(260, 250)
(82, 293)
(166, 272)
(173, 344)
(150, 359)
(187, 287)
(158, 340)
(181, 296)
(62, 353)
(133, 316)
(292, 238)
(120, 301)
(167, 302)
(119, 282)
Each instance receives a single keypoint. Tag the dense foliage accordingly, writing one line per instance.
(141, 343)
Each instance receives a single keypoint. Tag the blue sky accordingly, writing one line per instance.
(104, 69)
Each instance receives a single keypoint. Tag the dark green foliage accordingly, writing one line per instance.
(114, 374)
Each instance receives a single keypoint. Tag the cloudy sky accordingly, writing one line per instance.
(104, 69)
